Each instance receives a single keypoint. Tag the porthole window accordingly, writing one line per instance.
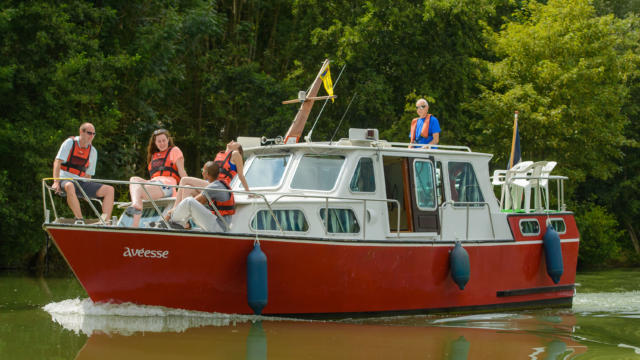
(289, 220)
(559, 225)
(529, 227)
(340, 221)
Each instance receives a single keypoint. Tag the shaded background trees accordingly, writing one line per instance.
(212, 70)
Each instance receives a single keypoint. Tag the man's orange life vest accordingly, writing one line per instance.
(224, 207)
(161, 165)
(425, 128)
(78, 160)
(223, 159)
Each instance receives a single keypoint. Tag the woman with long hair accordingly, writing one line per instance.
(166, 167)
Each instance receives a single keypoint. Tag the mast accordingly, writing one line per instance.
(307, 99)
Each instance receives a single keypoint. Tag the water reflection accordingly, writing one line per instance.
(160, 333)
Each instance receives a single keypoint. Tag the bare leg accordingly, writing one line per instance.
(106, 193)
(136, 192)
(185, 193)
(72, 199)
(154, 190)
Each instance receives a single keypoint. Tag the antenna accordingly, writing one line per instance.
(345, 113)
(308, 137)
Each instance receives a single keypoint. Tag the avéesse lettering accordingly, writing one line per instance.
(146, 253)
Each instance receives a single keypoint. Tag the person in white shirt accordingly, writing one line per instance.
(77, 159)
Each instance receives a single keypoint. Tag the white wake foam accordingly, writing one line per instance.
(83, 316)
(626, 304)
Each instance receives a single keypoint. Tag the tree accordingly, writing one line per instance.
(567, 71)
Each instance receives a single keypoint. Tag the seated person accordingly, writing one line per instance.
(199, 209)
(166, 167)
(76, 159)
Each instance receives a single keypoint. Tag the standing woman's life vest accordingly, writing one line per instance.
(223, 159)
(224, 207)
(425, 128)
(160, 165)
(78, 160)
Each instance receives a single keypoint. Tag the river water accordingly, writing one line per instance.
(52, 318)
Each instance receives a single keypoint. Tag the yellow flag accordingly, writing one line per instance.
(326, 81)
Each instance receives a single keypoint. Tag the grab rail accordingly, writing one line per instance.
(468, 205)
(262, 196)
(364, 213)
(45, 187)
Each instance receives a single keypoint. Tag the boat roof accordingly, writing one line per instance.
(349, 145)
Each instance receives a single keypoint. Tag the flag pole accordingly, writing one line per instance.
(513, 139)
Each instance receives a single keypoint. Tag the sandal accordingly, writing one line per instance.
(132, 211)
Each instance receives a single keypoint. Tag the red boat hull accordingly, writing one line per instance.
(204, 272)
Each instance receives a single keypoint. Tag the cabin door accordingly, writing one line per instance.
(424, 201)
(409, 182)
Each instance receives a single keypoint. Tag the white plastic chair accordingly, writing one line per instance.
(519, 169)
(533, 174)
(498, 177)
(544, 181)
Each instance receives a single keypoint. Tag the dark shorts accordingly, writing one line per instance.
(91, 188)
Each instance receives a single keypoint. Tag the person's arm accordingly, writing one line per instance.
(93, 160)
(436, 139)
(180, 166)
(201, 199)
(56, 174)
(236, 159)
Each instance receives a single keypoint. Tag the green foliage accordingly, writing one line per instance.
(599, 236)
(210, 71)
(568, 72)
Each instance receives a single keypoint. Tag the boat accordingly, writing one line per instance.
(355, 227)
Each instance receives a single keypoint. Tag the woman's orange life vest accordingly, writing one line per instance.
(78, 160)
(224, 207)
(160, 165)
(425, 128)
(223, 159)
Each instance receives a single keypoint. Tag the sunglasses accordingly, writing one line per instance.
(160, 131)
(89, 132)
(419, 107)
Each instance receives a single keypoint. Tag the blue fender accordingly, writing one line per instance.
(257, 287)
(553, 254)
(460, 266)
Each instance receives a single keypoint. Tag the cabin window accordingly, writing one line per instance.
(363, 179)
(317, 172)
(266, 171)
(463, 184)
(529, 227)
(290, 220)
(559, 225)
(425, 190)
(340, 221)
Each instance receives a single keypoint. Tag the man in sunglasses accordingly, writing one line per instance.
(425, 129)
(77, 159)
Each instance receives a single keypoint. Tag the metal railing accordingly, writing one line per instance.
(326, 208)
(47, 191)
(506, 185)
(468, 204)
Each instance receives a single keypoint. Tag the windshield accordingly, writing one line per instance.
(317, 172)
(266, 171)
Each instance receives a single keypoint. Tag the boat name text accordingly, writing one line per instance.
(146, 253)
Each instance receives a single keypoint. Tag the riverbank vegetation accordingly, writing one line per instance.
(213, 70)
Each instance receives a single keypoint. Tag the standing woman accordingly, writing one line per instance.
(166, 167)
